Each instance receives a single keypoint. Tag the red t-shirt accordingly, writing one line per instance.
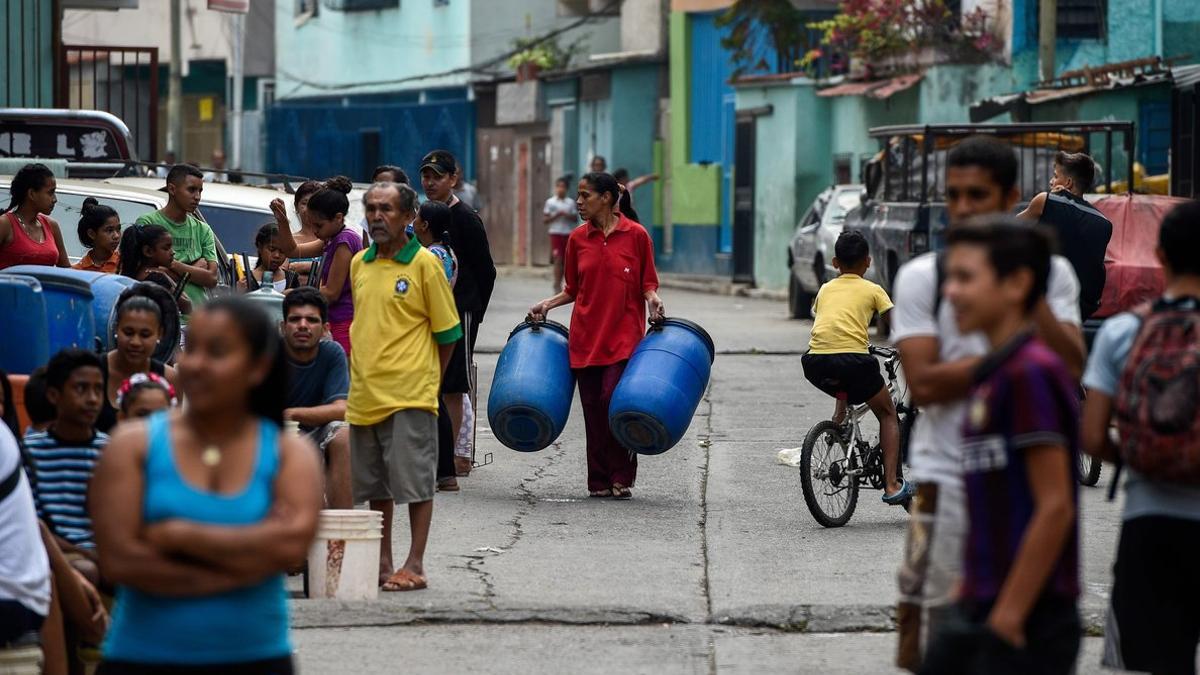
(608, 277)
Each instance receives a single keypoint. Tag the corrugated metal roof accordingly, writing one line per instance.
(877, 89)
(1186, 76)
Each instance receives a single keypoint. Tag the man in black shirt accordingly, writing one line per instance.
(476, 274)
(1082, 231)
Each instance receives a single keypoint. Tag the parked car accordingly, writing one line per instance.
(904, 214)
(92, 143)
(130, 203)
(810, 254)
(235, 212)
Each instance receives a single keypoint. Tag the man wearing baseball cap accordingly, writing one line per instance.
(476, 274)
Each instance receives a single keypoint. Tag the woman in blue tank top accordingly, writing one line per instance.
(198, 514)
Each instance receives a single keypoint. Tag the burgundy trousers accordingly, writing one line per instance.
(608, 463)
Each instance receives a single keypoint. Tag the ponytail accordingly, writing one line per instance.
(133, 240)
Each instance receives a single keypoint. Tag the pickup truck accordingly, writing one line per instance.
(904, 213)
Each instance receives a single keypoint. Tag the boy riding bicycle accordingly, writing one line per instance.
(838, 362)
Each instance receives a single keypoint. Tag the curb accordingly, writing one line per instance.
(681, 282)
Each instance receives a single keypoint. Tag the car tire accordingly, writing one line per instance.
(799, 300)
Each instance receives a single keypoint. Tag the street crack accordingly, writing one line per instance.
(474, 562)
(706, 443)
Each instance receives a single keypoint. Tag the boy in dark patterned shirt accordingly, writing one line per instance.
(1020, 437)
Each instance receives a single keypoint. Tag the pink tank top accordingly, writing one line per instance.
(25, 251)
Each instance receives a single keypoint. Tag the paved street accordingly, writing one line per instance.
(715, 566)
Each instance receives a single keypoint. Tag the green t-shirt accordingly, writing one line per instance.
(193, 239)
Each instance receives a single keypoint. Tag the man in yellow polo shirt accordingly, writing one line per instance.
(404, 330)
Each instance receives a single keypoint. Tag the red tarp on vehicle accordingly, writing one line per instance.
(1134, 273)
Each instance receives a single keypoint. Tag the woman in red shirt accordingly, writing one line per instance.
(609, 275)
(28, 235)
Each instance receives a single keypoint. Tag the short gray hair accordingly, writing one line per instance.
(408, 196)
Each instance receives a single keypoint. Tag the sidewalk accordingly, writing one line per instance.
(696, 283)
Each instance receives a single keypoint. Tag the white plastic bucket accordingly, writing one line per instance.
(21, 661)
(343, 562)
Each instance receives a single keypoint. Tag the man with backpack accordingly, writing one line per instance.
(1144, 372)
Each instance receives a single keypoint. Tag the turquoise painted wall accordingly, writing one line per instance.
(416, 39)
(1119, 105)
(635, 127)
(851, 116)
(1132, 32)
(27, 53)
(947, 91)
(791, 166)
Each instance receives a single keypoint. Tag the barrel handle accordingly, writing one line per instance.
(534, 326)
(656, 325)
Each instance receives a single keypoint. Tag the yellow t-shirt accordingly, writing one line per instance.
(843, 310)
(403, 309)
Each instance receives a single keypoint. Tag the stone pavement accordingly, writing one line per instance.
(714, 565)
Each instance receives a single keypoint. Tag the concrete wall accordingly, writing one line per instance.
(495, 24)
(947, 91)
(643, 26)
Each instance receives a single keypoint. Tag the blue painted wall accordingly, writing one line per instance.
(324, 138)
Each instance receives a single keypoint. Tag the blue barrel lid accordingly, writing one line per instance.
(78, 281)
(538, 325)
(694, 328)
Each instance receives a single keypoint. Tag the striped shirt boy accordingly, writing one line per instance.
(61, 472)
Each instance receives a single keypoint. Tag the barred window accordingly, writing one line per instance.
(1081, 19)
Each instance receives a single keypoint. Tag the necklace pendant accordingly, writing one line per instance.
(211, 456)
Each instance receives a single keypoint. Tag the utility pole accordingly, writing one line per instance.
(239, 39)
(175, 87)
(1047, 33)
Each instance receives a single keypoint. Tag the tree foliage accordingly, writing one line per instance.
(759, 28)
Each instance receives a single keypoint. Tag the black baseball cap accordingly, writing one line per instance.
(440, 161)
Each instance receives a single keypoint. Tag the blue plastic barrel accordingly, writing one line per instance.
(532, 388)
(106, 289)
(661, 387)
(24, 342)
(68, 294)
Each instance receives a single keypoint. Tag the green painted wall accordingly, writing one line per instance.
(695, 189)
(680, 59)
(851, 116)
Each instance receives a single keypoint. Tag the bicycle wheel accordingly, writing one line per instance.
(829, 492)
(1087, 469)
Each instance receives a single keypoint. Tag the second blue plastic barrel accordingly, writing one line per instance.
(532, 388)
(661, 387)
(24, 343)
(68, 295)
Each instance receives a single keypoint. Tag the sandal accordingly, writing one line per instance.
(449, 484)
(600, 494)
(403, 580)
(901, 496)
(621, 492)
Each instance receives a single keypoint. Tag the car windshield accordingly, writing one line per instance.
(70, 205)
(235, 227)
(843, 202)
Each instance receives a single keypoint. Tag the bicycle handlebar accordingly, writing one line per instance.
(885, 352)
